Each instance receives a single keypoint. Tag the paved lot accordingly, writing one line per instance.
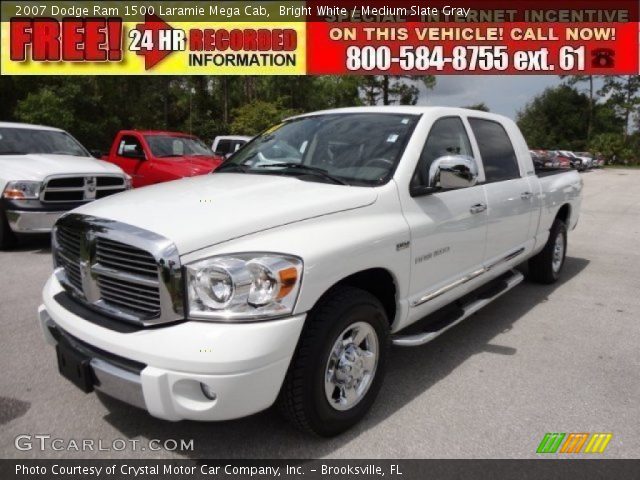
(564, 358)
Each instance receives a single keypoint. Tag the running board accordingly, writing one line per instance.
(466, 311)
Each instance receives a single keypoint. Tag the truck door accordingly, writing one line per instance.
(508, 192)
(130, 156)
(448, 228)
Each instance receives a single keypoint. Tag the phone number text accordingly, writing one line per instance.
(463, 58)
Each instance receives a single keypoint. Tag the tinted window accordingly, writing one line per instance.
(224, 147)
(130, 145)
(499, 158)
(358, 148)
(447, 137)
(22, 141)
(167, 146)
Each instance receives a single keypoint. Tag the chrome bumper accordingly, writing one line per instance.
(118, 383)
(110, 379)
(32, 222)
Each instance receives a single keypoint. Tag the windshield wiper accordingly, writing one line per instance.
(231, 167)
(319, 172)
(13, 152)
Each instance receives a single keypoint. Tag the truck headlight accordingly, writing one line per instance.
(22, 190)
(243, 287)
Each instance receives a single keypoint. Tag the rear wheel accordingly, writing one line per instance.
(7, 237)
(546, 266)
(339, 364)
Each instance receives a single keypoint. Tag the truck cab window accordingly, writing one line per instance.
(498, 156)
(130, 146)
(447, 137)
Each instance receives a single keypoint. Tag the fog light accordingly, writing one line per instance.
(206, 390)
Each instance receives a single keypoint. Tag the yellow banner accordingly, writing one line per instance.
(37, 46)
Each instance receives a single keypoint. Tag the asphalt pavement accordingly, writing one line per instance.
(561, 358)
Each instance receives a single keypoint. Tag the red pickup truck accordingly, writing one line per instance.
(151, 156)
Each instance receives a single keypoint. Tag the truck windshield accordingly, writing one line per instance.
(165, 146)
(352, 148)
(23, 141)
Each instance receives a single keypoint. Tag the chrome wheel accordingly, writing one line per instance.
(351, 366)
(558, 253)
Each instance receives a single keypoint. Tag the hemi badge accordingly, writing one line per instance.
(402, 245)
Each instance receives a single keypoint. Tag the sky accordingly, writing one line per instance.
(503, 94)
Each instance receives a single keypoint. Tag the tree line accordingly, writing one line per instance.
(574, 115)
(94, 108)
(578, 116)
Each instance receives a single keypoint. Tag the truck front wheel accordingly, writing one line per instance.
(337, 370)
(546, 266)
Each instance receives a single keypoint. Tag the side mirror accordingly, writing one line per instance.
(447, 173)
(453, 171)
(96, 153)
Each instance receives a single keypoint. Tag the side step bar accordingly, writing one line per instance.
(466, 311)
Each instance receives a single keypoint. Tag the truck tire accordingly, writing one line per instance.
(338, 367)
(546, 266)
(7, 237)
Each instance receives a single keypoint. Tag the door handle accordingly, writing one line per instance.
(526, 195)
(478, 208)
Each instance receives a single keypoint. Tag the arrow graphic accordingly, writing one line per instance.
(154, 55)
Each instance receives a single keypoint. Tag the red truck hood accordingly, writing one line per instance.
(188, 166)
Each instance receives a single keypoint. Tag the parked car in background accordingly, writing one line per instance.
(599, 161)
(334, 234)
(45, 172)
(589, 159)
(225, 145)
(559, 160)
(577, 162)
(542, 159)
(152, 156)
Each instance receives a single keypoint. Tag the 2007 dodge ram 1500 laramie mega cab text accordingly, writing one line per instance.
(284, 276)
(45, 172)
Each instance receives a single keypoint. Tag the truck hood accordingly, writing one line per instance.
(37, 166)
(187, 166)
(198, 212)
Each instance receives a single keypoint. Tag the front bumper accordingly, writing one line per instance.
(162, 369)
(32, 221)
(33, 216)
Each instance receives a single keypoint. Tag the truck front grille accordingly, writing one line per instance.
(78, 189)
(68, 255)
(123, 257)
(129, 295)
(119, 277)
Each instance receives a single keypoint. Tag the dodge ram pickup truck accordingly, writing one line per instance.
(153, 156)
(45, 172)
(284, 276)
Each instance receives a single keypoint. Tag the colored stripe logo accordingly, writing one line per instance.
(574, 443)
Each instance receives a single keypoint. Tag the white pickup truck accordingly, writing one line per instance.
(45, 172)
(284, 276)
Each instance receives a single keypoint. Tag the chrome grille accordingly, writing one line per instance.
(118, 269)
(130, 295)
(77, 189)
(130, 259)
(68, 255)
